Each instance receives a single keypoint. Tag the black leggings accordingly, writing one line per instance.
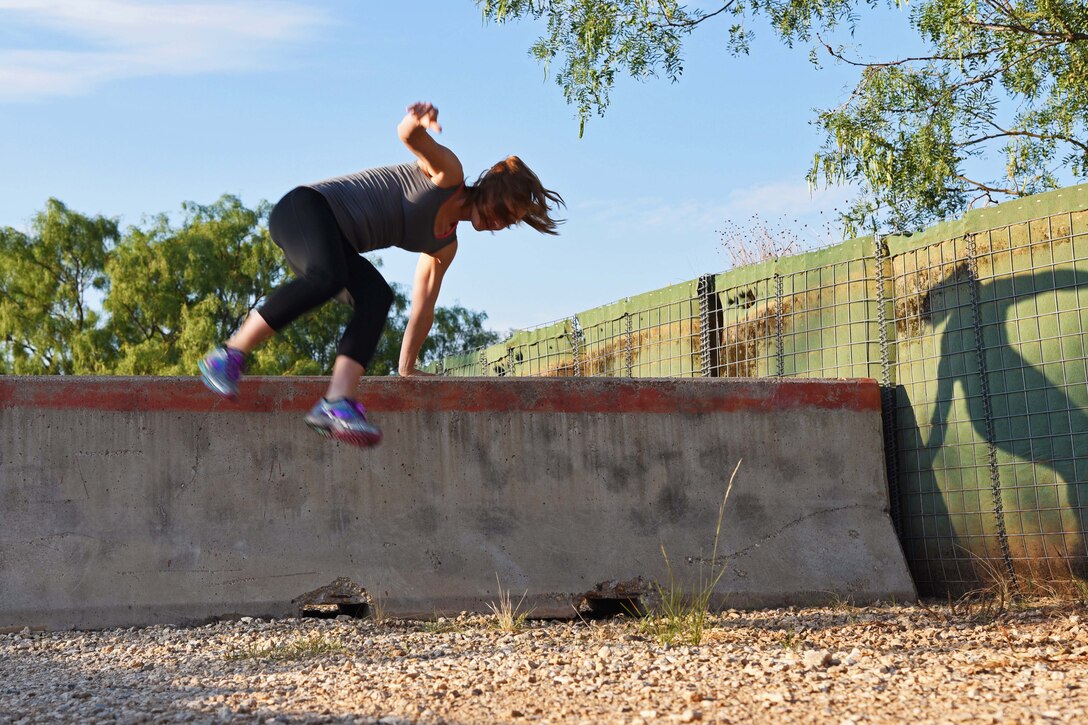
(303, 226)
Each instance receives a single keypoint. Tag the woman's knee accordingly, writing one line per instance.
(385, 296)
(326, 280)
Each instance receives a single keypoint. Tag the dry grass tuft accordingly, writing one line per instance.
(508, 616)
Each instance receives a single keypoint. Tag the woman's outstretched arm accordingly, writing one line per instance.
(428, 282)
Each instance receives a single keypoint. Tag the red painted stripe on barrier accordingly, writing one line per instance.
(476, 395)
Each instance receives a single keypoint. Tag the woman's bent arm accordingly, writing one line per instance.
(437, 161)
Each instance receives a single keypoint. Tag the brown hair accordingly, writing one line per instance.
(511, 185)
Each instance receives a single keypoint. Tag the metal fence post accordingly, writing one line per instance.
(987, 412)
(779, 327)
(704, 290)
(629, 348)
(888, 411)
(576, 344)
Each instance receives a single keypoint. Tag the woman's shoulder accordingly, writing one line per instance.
(444, 170)
(450, 179)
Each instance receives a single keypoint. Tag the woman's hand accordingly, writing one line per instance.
(426, 115)
(412, 373)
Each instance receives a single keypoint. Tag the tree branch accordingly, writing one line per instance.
(955, 86)
(1067, 36)
(1027, 134)
(987, 188)
(691, 23)
(1003, 7)
(1005, 132)
(903, 61)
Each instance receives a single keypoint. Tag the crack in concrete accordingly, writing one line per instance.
(791, 524)
(262, 578)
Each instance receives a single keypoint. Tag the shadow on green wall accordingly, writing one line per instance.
(1039, 434)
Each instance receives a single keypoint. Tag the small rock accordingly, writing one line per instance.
(817, 659)
(690, 715)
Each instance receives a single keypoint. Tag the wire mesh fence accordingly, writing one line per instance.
(978, 332)
(993, 434)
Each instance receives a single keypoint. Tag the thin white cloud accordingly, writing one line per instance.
(786, 200)
(105, 40)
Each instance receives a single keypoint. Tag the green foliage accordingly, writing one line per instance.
(596, 39)
(996, 107)
(177, 290)
(77, 297)
(47, 323)
(1004, 81)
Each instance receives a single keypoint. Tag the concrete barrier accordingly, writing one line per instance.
(129, 501)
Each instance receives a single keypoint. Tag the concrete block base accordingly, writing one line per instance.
(131, 501)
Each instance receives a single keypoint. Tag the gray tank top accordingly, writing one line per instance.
(389, 206)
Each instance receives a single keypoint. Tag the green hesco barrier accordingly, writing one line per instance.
(467, 365)
(608, 343)
(978, 329)
(747, 315)
(663, 340)
(992, 444)
(811, 315)
(542, 351)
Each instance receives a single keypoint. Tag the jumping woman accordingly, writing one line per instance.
(324, 228)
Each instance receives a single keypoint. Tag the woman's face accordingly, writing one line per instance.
(492, 219)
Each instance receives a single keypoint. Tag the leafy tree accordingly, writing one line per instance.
(1004, 79)
(177, 291)
(456, 330)
(997, 106)
(48, 321)
(596, 39)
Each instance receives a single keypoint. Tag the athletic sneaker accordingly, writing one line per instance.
(221, 369)
(344, 420)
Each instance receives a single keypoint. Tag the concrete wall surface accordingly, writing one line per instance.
(130, 501)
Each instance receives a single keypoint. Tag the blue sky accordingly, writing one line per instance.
(127, 108)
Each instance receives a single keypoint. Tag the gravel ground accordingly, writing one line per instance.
(832, 665)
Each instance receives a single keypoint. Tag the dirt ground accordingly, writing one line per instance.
(930, 663)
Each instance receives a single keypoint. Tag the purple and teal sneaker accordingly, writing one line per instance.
(344, 420)
(221, 369)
